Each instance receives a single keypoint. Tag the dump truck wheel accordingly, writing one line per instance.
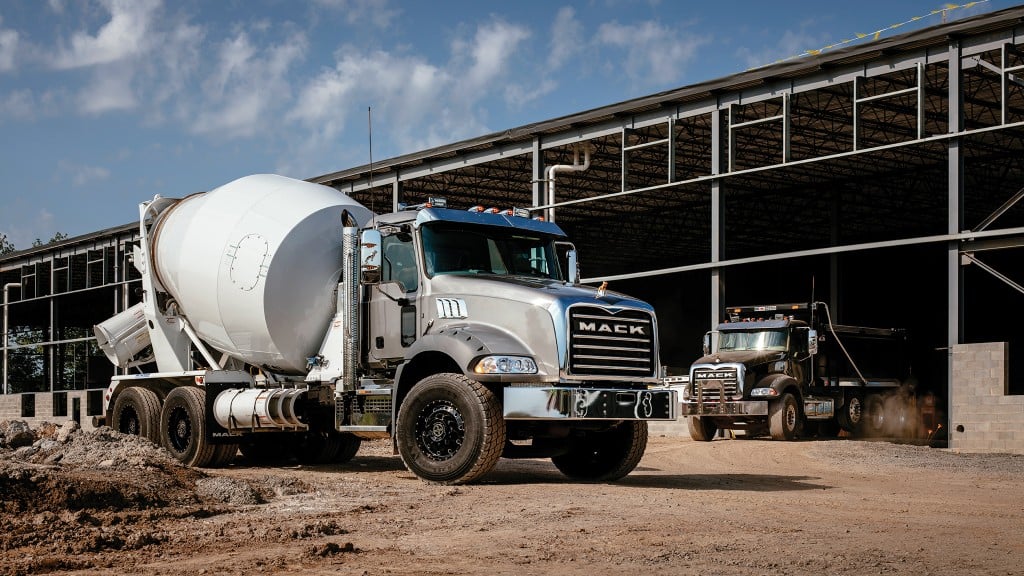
(183, 427)
(851, 415)
(450, 429)
(701, 429)
(784, 418)
(137, 412)
(874, 416)
(605, 455)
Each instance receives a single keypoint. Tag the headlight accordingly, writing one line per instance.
(764, 392)
(506, 365)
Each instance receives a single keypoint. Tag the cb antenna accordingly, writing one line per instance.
(369, 129)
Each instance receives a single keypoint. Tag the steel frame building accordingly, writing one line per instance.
(883, 178)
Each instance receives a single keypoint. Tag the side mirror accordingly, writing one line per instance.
(574, 267)
(569, 262)
(812, 342)
(369, 256)
(707, 343)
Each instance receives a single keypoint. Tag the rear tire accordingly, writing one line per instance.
(183, 427)
(701, 429)
(784, 419)
(137, 412)
(851, 415)
(874, 416)
(349, 447)
(450, 429)
(605, 455)
(318, 447)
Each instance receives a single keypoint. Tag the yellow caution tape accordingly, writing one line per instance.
(877, 33)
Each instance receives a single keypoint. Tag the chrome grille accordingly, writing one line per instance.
(710, 384)
(603, 343)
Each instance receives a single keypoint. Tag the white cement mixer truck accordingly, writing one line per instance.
(282, 318)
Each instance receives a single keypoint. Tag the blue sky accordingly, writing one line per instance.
(104, 103)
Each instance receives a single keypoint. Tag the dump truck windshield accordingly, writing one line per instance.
(466, 249)
(775, 340)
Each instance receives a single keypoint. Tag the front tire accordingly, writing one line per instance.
(605, 455)
(137, 412)
(784, 418)
(701, 429)
(450, 429)
(183, 427)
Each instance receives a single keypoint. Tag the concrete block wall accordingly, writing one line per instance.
(983, 417)
(11, 408)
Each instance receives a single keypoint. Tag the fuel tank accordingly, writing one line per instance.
(254, 265)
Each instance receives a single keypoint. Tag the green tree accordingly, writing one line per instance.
(56, 238)
(5, 244)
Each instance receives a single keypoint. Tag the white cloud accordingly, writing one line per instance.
(19, 104)
(109, 91)
(566, 38)
(8, 48)
(655, 55)
(489, 53)
(249, 88)
(375, 12)
(126, 35)
(790, 44)
(417, 104)
(79, 175)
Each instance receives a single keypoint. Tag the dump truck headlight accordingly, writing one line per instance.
(506, 365)
(764, 392)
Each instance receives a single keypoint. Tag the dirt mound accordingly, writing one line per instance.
(61, 468)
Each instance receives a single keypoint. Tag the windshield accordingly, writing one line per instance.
(756, 340)
(466, 249)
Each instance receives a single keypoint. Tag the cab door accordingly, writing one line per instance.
(392, 302)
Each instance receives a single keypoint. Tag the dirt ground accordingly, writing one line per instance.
(103, 503)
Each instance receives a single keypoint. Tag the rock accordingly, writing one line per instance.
(19, 434)
(66, 430)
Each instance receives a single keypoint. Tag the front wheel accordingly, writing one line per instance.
(450, 429)
(605, 455)
(701, 429)
(784, 418)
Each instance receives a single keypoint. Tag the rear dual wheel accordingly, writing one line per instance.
(183, 430)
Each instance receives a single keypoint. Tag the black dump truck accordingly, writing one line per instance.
(779, 369)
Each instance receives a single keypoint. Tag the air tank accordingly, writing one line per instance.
(254, 265)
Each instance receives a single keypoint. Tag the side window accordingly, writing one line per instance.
(399, 263)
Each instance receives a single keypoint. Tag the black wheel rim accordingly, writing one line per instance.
(129, 422)
(440, 430)
(180, 429)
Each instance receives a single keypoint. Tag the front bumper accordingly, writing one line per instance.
(590, 404)
(728, 408)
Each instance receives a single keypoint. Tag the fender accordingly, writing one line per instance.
(781, 383)
(467, 343)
